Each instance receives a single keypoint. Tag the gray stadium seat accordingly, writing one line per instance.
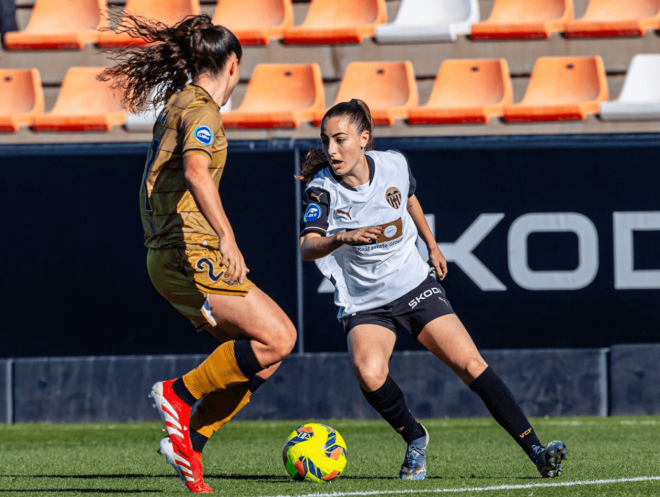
(640, 97)
(424, 21)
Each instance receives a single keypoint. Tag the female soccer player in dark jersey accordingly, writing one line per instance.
(193, 259)
(360, 223)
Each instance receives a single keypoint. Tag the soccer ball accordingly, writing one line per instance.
(314, 452)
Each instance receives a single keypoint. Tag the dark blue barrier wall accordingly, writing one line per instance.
(75, 278)
(546, 382)
(635, 379)
(75, 281)
(86, 389)
(5, 388)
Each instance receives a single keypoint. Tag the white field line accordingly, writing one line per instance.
(479, 489)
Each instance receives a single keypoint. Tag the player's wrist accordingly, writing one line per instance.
(433, 247)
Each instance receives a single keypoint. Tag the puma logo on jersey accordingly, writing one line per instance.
(345, 213)
(317, 196)
(423, 296)
(440, 298)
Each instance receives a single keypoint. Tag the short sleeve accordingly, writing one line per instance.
(199, 127)
(413, 183)
(315, 209)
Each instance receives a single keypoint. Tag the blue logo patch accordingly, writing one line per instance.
(204, 135)
(312, 213)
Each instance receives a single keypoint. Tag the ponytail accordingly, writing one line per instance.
(172, 56)
(360, 115)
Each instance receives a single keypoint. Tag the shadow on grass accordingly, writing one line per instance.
(136, 476)
(268, 478)
(83, 491)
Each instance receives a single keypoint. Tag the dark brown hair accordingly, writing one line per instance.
(359, 114)
(155, 72)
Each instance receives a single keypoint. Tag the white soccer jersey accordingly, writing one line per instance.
(367, 276)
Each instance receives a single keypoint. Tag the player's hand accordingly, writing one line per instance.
(438, 262)
(362, 235)
(233, 259)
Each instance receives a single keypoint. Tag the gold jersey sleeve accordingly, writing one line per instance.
(189, 124)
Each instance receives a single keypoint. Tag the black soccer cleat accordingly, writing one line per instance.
(548, 458)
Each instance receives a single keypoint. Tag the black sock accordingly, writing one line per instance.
(504, 408)
(245, 358)
(181, 390)
(388, 400)
(255, 383)
(197, 440)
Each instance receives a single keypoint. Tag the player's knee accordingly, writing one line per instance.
(473, 367)
(283, 340)
(371, 376)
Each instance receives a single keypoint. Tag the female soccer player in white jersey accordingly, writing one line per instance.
(360, 223)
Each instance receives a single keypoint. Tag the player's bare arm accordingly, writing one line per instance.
(315, 246)
(205, 193)
(436, 259)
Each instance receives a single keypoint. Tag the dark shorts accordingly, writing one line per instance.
(411, 312)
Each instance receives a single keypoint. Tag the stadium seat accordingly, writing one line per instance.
(279, 96)
(466, 91)
(561, 89)
(640, 97)
(388, 88)
(255, 22)
(84, 104)
(338, 21)
(616, 18)
(512, 19)
(58, 25)
(23, 98)
(424, 21)
(168, 12)
(143, 122)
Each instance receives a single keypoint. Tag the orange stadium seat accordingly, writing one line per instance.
(524, 19)
(57, 24)
(255, 22)
(168, 12)
(24, 98)
(466, 91)
(616, 18)
(84, 104)
(388, 88)
(338, 21)
(279, 96)
(562, 89)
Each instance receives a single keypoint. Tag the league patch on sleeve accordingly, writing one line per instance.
(203, 135)
(312, 213)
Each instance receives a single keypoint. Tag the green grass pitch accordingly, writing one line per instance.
(466, 457)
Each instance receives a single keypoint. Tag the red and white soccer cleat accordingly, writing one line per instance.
(188, 469)
(175, 415)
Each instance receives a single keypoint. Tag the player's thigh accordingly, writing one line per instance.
(447, 339)
(255, 316)
(370, 347)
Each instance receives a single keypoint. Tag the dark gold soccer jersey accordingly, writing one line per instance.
(189, 124)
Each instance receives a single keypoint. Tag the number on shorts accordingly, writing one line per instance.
(151, 158)
(210, 268)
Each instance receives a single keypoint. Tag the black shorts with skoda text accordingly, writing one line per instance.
(411, 312)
